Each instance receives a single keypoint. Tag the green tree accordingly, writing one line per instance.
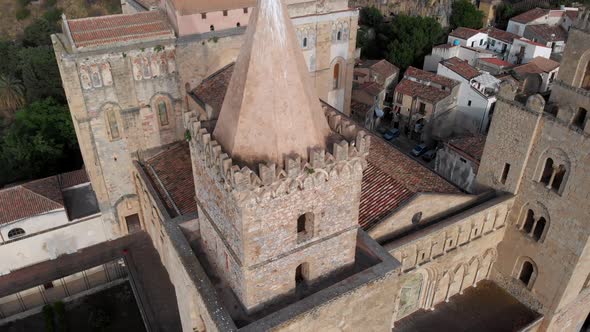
(9, 53)
(39, 33)
(411, 38)
(371, 17)
(40, 74)
(12, 95)
(465, 14)
(40, 142)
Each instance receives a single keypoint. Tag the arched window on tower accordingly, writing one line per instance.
(547, 171)
(305, 226)
(212, 27)
(113, 125)
(529, 221)
(558, 178)
(301, 275)
(16, 232)
(304, 42)
(336, 82)
(339, 35)
(526, 273)
(580, 118)
(238, 24)
(539, 229)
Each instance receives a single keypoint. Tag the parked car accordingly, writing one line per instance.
(429, 155)
(419, 150)
(391, 134)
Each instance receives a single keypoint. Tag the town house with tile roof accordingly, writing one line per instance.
(476, 97)
(269, 209)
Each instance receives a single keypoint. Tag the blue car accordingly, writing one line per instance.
(391, 134)
(419, 150)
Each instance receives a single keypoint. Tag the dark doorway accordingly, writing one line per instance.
(133, 224)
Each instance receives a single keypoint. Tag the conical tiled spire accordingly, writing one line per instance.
(271, 109)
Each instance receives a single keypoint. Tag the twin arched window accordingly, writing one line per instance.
(553, 175)
(16, 232)
(534, 227)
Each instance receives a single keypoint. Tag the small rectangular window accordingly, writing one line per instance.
(463, 160)
(505, 173)
(203, 15)
(48, 285)
(245, 10)
(469, 103)
(163, 113)
(225, 13)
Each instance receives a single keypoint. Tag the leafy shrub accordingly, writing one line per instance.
(48, 318)
(53, 15)
(60, 314)
(22, 13)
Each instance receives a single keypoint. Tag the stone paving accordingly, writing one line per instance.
(484, 308)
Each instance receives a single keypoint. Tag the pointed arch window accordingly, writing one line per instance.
(304, 42)
(163, 112)
(339, 35)
(113, 124)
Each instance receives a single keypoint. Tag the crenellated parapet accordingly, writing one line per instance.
(346, 159)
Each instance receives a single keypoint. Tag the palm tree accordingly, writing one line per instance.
(12, 95)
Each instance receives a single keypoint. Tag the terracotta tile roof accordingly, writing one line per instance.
(103, 30)
(461, 67)
(548, 32)
(30, 199)
(547, 65)
(463, 33)
(524, 40)
(443, 46)
(380, 195)
(533, 68)
(73, 178)
(430, 77)
(496, 61)
(212, 90)
(382, 67)
(171, 174)
(391, 179)
(471, 145)
(427, 92)
(372, 88)
(505, 36)
(360, 109)
(205, 6)
(530, 15)
(360, 73)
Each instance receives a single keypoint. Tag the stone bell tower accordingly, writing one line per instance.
(540, 152)
(278, 207)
